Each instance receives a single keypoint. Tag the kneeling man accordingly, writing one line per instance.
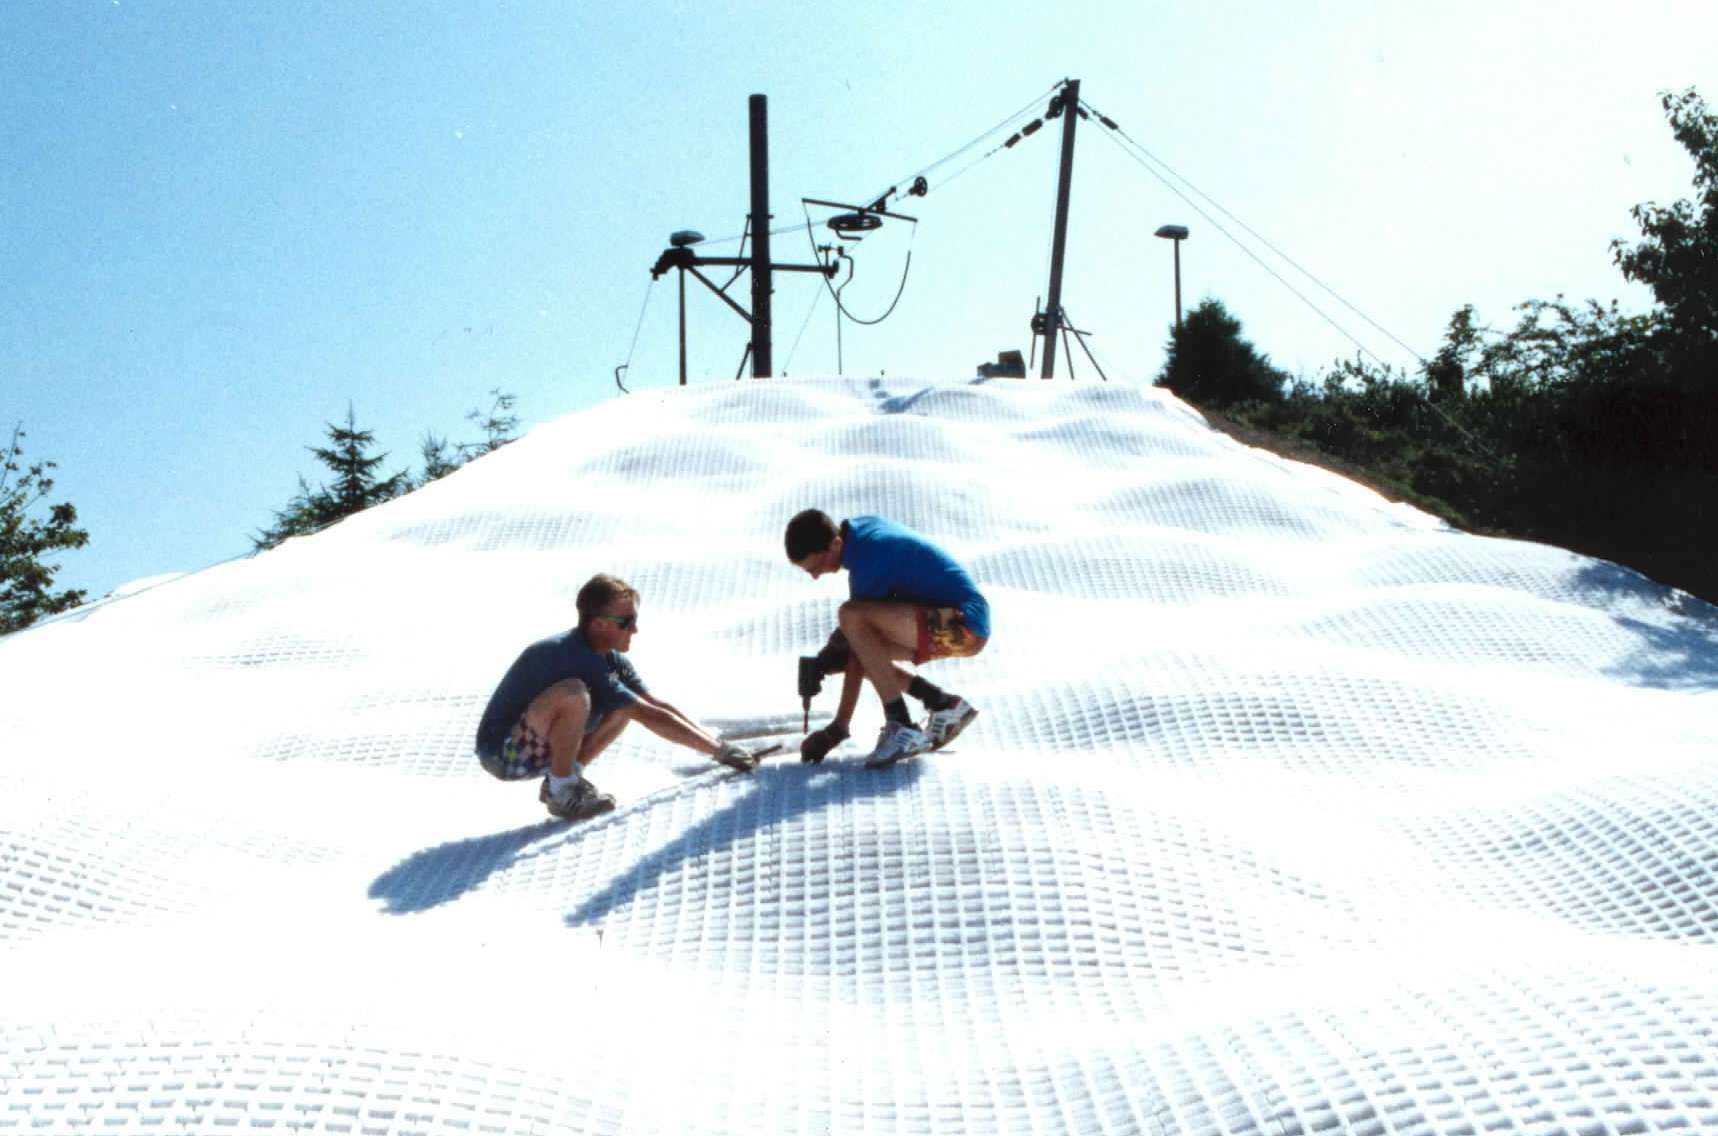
(909, 600)
(567, 697)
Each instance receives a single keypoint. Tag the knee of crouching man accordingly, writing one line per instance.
(573, 688)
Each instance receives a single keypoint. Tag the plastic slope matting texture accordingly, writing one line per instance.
(1289, 810)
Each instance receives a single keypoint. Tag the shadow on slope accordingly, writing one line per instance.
(944, 399)
(441, 874)
(1679, 657)
(777, 795)
(773, 795)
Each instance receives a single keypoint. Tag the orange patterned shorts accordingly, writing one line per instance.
(943, 634)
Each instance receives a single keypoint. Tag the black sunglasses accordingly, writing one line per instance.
(624, 622)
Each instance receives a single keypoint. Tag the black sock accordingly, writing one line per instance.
(933, 696)
(896, 711)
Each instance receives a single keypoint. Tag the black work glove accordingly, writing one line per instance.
(818, 743)
(831, 660)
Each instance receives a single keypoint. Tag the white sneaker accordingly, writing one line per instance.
(941, 726)
(578, 801)
(895, 742)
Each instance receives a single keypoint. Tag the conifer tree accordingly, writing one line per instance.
(26, 581)
(440, 457)
(356, 485)
(1209, 362)
(498, 425)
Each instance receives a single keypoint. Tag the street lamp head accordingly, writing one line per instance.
(1172, 232)
(685, 238)
(860, 222)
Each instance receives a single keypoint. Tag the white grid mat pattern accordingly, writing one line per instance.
(1287, 811)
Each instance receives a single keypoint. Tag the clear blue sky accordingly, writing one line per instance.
(220, 222)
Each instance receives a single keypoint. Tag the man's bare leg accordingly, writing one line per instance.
(880, 633)
(559, 715)
(852, 679)
(607, 730)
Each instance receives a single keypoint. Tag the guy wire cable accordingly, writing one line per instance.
(1256, 259)
(907, 267)
(739, 254)
(1080, 336)
(788, 228)
(990, 153)
(816, 298)
(1024, 110)
(1107, 121)
(945, 159)
(1457, 426)
(639, 326)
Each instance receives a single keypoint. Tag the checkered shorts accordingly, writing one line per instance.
(524, 754)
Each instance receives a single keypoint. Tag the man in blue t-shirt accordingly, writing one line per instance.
(566, 698)
(909, 600)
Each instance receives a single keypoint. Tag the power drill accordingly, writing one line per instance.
(812, 668)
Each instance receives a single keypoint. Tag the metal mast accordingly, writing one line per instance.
(762, 348)
(1070, 99)
(681, 256)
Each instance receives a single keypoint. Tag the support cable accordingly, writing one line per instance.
(1254, 257)
(905, 269)
(951, 156)
(944, 160)
(1135, 144)
(644, 307)
(1472, 439)
(968, 168)
(741, 236)
(840, 358)
(1076, 333)
(740, 254)
(816, 298)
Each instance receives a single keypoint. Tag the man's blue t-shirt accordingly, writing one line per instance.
(609, 676)
(887, 561)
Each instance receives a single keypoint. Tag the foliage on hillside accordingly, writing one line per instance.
(1580, 426)
(27, 539)
(357, 483)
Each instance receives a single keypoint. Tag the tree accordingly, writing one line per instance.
(356, 486)
(498, 425)
(1446, 374)
(1582, 426)
(26, 582)
(1678, 259)
(440, 458)
(1211, 364)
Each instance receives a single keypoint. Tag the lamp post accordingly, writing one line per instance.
(1176, 233)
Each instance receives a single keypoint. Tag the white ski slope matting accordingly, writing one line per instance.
(1289, 810)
